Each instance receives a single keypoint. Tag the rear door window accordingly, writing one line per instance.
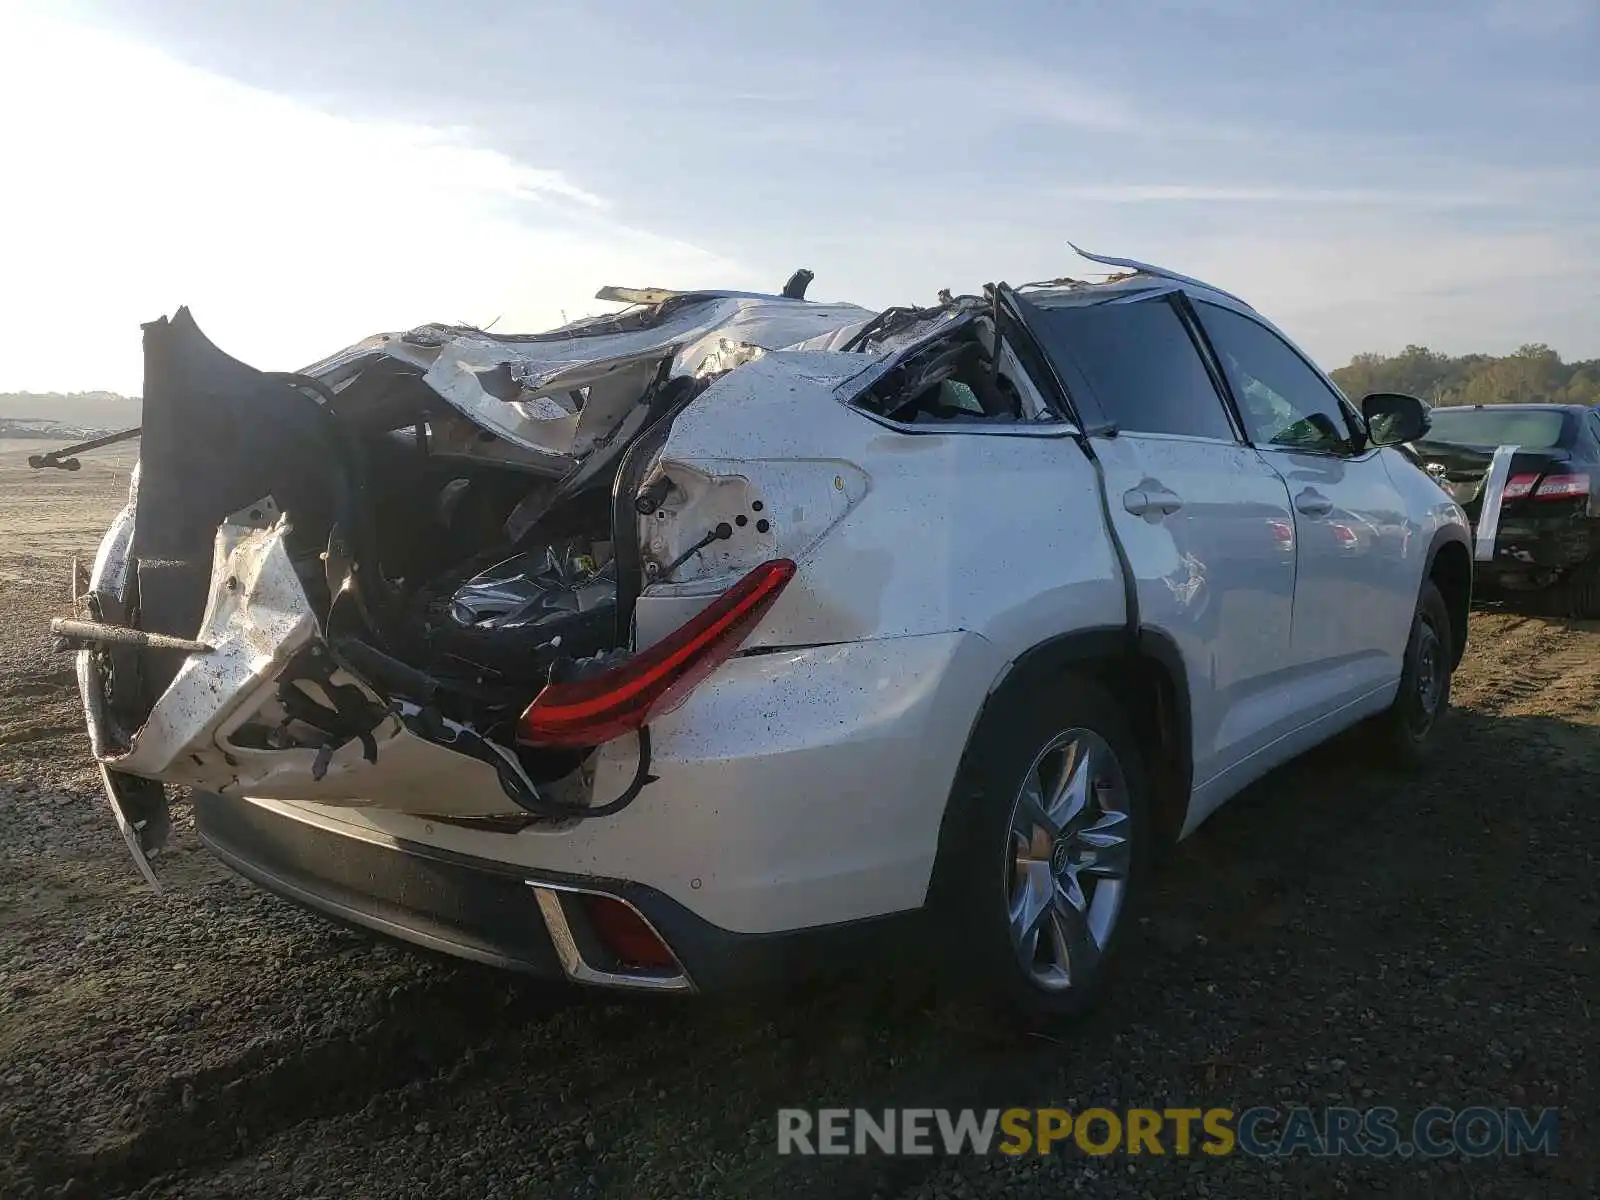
(1283, 401)
(1141, 364)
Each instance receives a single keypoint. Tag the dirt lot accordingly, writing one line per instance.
(1333, 936)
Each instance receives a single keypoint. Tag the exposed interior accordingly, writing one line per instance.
(952, 379)
(442, 566)
(947, 371)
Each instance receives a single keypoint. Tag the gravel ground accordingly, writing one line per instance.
(1332, 936)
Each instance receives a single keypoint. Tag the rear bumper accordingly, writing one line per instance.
(446, 902)
(1522, 546)
(792, 789)
(505, 916)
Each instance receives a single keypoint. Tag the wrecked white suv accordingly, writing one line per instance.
(688, 644)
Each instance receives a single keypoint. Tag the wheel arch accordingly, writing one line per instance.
(1450, 570)
(1145, 673)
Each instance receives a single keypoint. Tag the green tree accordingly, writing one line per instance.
(1534, 373)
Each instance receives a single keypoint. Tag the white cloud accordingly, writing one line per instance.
(1079, 101)
(1064, 102)
(136, 184)
(1193, 193)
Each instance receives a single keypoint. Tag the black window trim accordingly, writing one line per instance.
(1220, 382)
(1360, 447)
(1012, 329)
(1046, 373)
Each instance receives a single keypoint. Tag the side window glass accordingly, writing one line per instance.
(1282, 400)
(1141, 363)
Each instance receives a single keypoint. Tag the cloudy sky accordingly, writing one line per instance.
(302, 173)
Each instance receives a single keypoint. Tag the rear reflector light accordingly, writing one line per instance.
(1562, 487)
(589, 711)
(625, 934)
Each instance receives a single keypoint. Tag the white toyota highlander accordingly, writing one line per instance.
(703, 640)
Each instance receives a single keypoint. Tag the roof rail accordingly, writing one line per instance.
(1158, 272)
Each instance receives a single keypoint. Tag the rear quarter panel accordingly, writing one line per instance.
(955, 529)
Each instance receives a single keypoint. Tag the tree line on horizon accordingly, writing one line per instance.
(1533, 374)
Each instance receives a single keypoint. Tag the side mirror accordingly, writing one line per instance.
(1393, 419)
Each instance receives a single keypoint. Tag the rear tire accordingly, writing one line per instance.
(1406, 730)
(1583, 591)
(1043, 852)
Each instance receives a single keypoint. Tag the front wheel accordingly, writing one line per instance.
(1043, 851)
(1406, 729)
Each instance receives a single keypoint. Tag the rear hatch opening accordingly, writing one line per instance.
(340, 581)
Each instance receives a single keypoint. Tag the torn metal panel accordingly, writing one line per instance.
(220, 724)
(109, 576)
(141, 817)
(560, 395)
(455, 437)
(1159, 272)
(256, 619)
(727, 355)
(627, 295)
(106, 596)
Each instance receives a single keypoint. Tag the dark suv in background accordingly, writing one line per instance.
(1526, 476)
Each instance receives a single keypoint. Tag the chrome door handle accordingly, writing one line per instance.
(1151, 502)
(1313, 503)
(1166, 503)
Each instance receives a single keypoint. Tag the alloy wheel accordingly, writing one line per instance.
(1069, 859)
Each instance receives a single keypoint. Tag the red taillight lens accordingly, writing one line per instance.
(625, 934)
(589, 711)
(1519, 486)
(1562, 487)
(1553, 487)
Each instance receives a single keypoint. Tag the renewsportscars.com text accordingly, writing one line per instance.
(1260, 1132)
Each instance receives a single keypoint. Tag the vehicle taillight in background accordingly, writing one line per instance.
(1562, 487)
(587, 712)
(1553, 487)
